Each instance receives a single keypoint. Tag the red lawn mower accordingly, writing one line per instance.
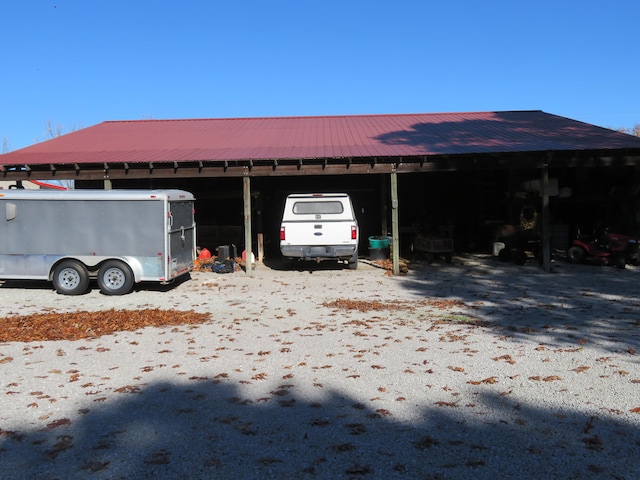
(604, 248)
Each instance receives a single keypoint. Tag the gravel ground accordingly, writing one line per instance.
(475, 369)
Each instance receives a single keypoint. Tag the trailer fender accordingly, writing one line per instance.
(135, 266)
(58, 260)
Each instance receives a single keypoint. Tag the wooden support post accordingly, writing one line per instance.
(546, 237)
(246, 194)
(260, 247)
(384, 202)
(394, 224)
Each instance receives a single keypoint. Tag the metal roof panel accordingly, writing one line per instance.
(323, 137)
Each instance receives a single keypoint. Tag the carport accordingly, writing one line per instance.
(385, 145)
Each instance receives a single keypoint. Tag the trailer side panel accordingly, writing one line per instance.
(152, 231)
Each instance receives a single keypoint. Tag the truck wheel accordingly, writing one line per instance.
(71, 278)
(353, 262)
(115, 278)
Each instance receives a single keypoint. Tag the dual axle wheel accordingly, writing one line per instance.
(71, 277)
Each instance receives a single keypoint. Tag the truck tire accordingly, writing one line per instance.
(70, 277)
(115, 278)
(353, 262)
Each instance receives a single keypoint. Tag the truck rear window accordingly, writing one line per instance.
(315, 208)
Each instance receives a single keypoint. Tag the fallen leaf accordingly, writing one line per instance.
(446, 404)
(83, 324)
(95, 466)
(506, 358)
(59, 423)
(489, 380)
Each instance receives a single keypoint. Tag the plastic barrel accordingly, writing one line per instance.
(378, 242)
(379, 253)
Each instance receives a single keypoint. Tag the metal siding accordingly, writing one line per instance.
(89, 228)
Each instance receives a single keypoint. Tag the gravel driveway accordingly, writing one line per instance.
(475, 369)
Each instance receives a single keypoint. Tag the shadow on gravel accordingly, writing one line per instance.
(205, 430)
(574, 305)
(284, 264)
(138, 287)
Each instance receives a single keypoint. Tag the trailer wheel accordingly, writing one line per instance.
(115, 278)
(71, 278)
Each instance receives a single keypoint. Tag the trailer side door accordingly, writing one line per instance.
(182, 237)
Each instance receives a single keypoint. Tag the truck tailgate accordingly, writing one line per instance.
(318, 233)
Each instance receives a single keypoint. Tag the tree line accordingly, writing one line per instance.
(635, 130)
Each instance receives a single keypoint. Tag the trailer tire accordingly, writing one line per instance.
(115, 278)
(70, 277)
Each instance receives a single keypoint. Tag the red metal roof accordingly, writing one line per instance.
(354, 136)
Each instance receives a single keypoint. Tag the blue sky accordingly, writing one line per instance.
(75, 63)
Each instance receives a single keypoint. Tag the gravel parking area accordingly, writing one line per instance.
(470, 370)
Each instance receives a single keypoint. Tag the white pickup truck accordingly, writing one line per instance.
(320, 226)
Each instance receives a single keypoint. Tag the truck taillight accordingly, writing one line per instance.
(282, 235)
(354, 232)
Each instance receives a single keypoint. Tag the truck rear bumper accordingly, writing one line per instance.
(309, 252)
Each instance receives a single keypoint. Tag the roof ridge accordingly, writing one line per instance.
(293, 117)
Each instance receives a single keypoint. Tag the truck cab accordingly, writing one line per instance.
(320, 226)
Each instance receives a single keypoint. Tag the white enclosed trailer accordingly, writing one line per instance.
(119, 237)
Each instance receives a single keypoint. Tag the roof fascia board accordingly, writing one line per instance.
(325, 166)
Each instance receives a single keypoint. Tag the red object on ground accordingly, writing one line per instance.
(204, 254)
